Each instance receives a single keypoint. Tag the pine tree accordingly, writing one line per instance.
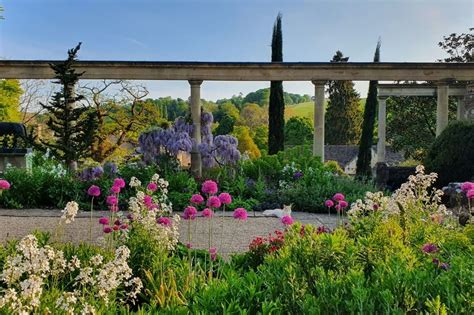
(364, 158)
(73, 125)
(276, 109)
(343, 116)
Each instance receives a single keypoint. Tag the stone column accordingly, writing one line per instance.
(196, 164)
(459, 108)
(382, 129)
(318, 136)
(442, 107)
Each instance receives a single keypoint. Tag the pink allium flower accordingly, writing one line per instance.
(104, 221)
(189, 213)
(112, 200)
(343, 204)
(197, 199)
(148, 201)
(115, 189)
(119, 182)
(225, 198)
(209, 187)
(213, 202)
(93, 191)
(287, 220)
(322, 229)
(4, 184)
(338, 197)
(207, 213)
(213, 253)
(470, 193)
(124, 226)
(329, 203)
(107, 229)
(429, 248)
(164, 221)
(337, 207)
(152, 186)
(467, 186)
(188, 245)
(240, 214)
(117, 222)
(116, 228)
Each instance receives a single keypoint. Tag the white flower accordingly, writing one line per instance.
(70, 212)
(134, 182)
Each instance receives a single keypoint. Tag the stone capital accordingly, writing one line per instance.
(319, 82)
(195, 82)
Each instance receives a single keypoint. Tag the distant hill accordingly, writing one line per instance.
(306, 109)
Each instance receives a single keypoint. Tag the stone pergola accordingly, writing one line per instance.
(442, 90)
(197, 72)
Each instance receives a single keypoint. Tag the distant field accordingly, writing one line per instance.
(307, 109)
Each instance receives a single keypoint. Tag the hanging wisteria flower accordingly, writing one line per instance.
(429, 248)
(329, 203)
(93, 191)
(207, 213)
(225, 198)
(209, 187)
(70, 212)
(115, 189)
(165, 221)
(4, 184)
(197, 199)
(152, 186)
(119, 182)
(213, 202)
(287, 220)
(240, 214)
(338, 197)
(104, 221)
(189, 213)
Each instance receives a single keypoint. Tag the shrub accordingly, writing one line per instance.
(452, 154)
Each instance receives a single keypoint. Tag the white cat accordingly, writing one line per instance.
(280, 213)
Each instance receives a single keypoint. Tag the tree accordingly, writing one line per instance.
(228, 109)
(72, 125)
(276, 109)
(343, 115)
(10, 93)
(459, 47)
(298, 130)
(364, 158)
(226, 126)
(253, 116)
(260, 137)
(245, 142)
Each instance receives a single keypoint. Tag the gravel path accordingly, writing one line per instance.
(229, 235)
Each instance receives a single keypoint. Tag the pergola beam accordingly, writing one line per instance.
(396, 90)
(245, 71)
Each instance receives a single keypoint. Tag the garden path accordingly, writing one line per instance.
(229, 235)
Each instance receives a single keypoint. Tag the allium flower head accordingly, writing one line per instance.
(93, 191)
(4, 184)
(209, 187)
(287, 220)
(152, 186)
(466, 186)
(115, 189)
(470, 193)
(104, 221)
(240, 214)
(119, 182)
(429, 248)
(189, 213)
(107, 229)
(213, 202)
(329, 203)
(343, 204)
(197, 199)
(165, 221)
(338, 197)
(207, 213)
(112, 200)
(213, 253)
(225, 198)
(148, 201)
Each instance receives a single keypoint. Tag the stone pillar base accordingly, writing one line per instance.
(15, 158)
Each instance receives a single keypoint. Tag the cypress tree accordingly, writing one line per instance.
(364, 158)
(276, 109)
(343, 116)
(73, 126)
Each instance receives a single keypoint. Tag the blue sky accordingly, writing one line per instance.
(229, 30)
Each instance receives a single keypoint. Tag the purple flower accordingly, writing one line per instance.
(213, 253)
(152, 186)
(429, 248)
(164, 221)
(119, 182)
(97, 171)
(444, 266)
(225, 198)
(93, 191)
(338, 197)
(467, 186)
(107, 229)
(322, 229)
(329, 203)
(112, 200)
(343, 204)
(197, 199)
(240, 214)
(297, 175)
(110, 168)
(104, 221)
(189, 213)
(207, 213)
(287, 220)
(115, 189)
(470, 193)
(209, 187)
(213, 202)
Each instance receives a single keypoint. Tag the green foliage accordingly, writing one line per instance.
(260, 137)
(226, 109)
(253, 116)
(226, 126)
(364, 157)
(10, 92)
(452, 153)
(298, 130)
(246, 144)
(343, 115)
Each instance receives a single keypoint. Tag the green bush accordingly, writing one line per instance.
(452, 154)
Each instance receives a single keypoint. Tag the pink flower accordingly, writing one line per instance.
(209, 187)
(117, 222)
(119, 182)
(467, 186)
(287, 220)
(213, 202)
(225, 198)
(116, 228)
(93, 191)
(115, 189)
(213, 253)
(104, 221)
(429, 248)
(338, 197)
(197, 199)
(470, 193)
(152, 186)
(124, 226)
(240, 214)
(107, 229)
(148, 201)
(189, 213)
(188, 245)
(207, 213)
(164, 221)
(112, 200)
(4, 184)
(329, 203)
(337, 207)
(343, 204)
